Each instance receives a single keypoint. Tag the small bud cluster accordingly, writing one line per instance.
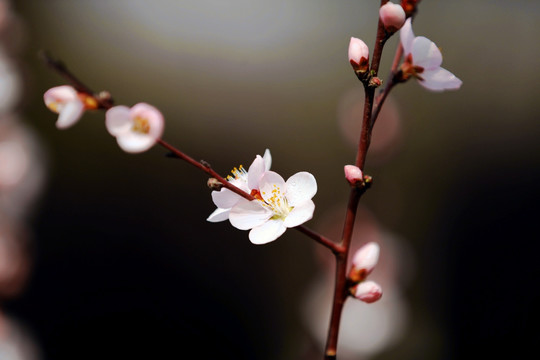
(363, 263)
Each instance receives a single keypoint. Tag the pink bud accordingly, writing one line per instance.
(358, 55)
(364, 261)
(392, 16)
(368, 292)
(353, 174)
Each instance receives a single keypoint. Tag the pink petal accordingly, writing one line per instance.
(225, 198)
(366, 257)
(269, 182)
(246, 214)
(440, 79)
(301, 187)
(70, 114)
(267, 157)
(406, 36)
(300, 214)
(392, 16)
(267, 232)
(368, 292)
(425, 53)
(219, 215)
(358, 50)
(135, 143)
(255, 171)
(59, 94)
(153, 115)
(117, 120)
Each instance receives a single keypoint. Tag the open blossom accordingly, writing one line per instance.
(136, 129)
(68, 104)
(278, 205)
(392, 16)
(423, 60)
(358, 55)
(247, 181)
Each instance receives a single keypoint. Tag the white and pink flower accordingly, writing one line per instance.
(247, 181)
(279, 205)
(363, 263)
(137, 128)
(423, 61)
(68, 104)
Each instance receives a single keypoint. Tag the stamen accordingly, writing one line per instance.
(141, 125)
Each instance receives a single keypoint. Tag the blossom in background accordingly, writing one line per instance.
(392, 16)
(363, 263)
(423, 61)
(68, 103)
(278, 205)
(247, 181)
(136, 129)
(358, 55)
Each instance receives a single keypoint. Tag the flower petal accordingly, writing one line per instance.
(406, 36)
(219, 215)
(225, 198)
(267, 157)
(135, 143)
(70, 114)
(300, 214)
(269, 182)
(301, 187)
(439, 80)
(267, 232)
(255, 171)
(117, 120)
(59, 95)
(155, 119)
(425, 53)
(248, 214)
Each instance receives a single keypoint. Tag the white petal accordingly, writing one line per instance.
(300, 214)
(439, 80)
(135, 143)
(255, 171)
(155, 119)
(70, 114)
(301, 187)
(219, 215)
(269, 182)
(267, 157)
(59, 94)
(225, 198)
(248, 214)
(426, 54)
(267, 232)
(406, 36)
(117, 120)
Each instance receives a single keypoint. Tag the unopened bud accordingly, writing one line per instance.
(364, 261)
(358, 55)
(392, 17)
(353, 174)
(368, 291)
(214, 184)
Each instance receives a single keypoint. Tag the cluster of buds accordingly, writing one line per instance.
(136, 129)
(363, 263)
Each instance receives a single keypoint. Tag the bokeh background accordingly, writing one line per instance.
(120, 260)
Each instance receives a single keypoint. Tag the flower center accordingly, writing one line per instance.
(141, 125)
(409, 69)
(276, 202)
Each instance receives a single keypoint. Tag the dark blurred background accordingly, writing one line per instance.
(123, 262)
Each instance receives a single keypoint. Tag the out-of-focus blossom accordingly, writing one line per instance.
(15, 342)
(68, 104)
(14, 259)
(423, 61)
(279, 205)
(368, 291)
(247, 181)
(10, 84)
(353, 174)
(358, 55)
(392, 16)
(137, 128)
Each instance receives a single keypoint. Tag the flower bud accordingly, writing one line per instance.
(392, 17)
(364, 261)
(353, 174)
(358, 55)
(368, 292)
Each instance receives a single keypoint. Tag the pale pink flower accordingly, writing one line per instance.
(278, 205)
(392, 16)
(136, 129)
(65, 101)
(423, 60)
(368, 291)
(247, 181)
(358, 55)
(353, 174)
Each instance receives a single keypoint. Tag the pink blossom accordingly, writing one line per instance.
(136, 129)
(368, 292)
(64, 100)
(353, 174)
(392, 16)
(358, 55)
(423, 60)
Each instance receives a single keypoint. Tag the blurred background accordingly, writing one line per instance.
(105, 254)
